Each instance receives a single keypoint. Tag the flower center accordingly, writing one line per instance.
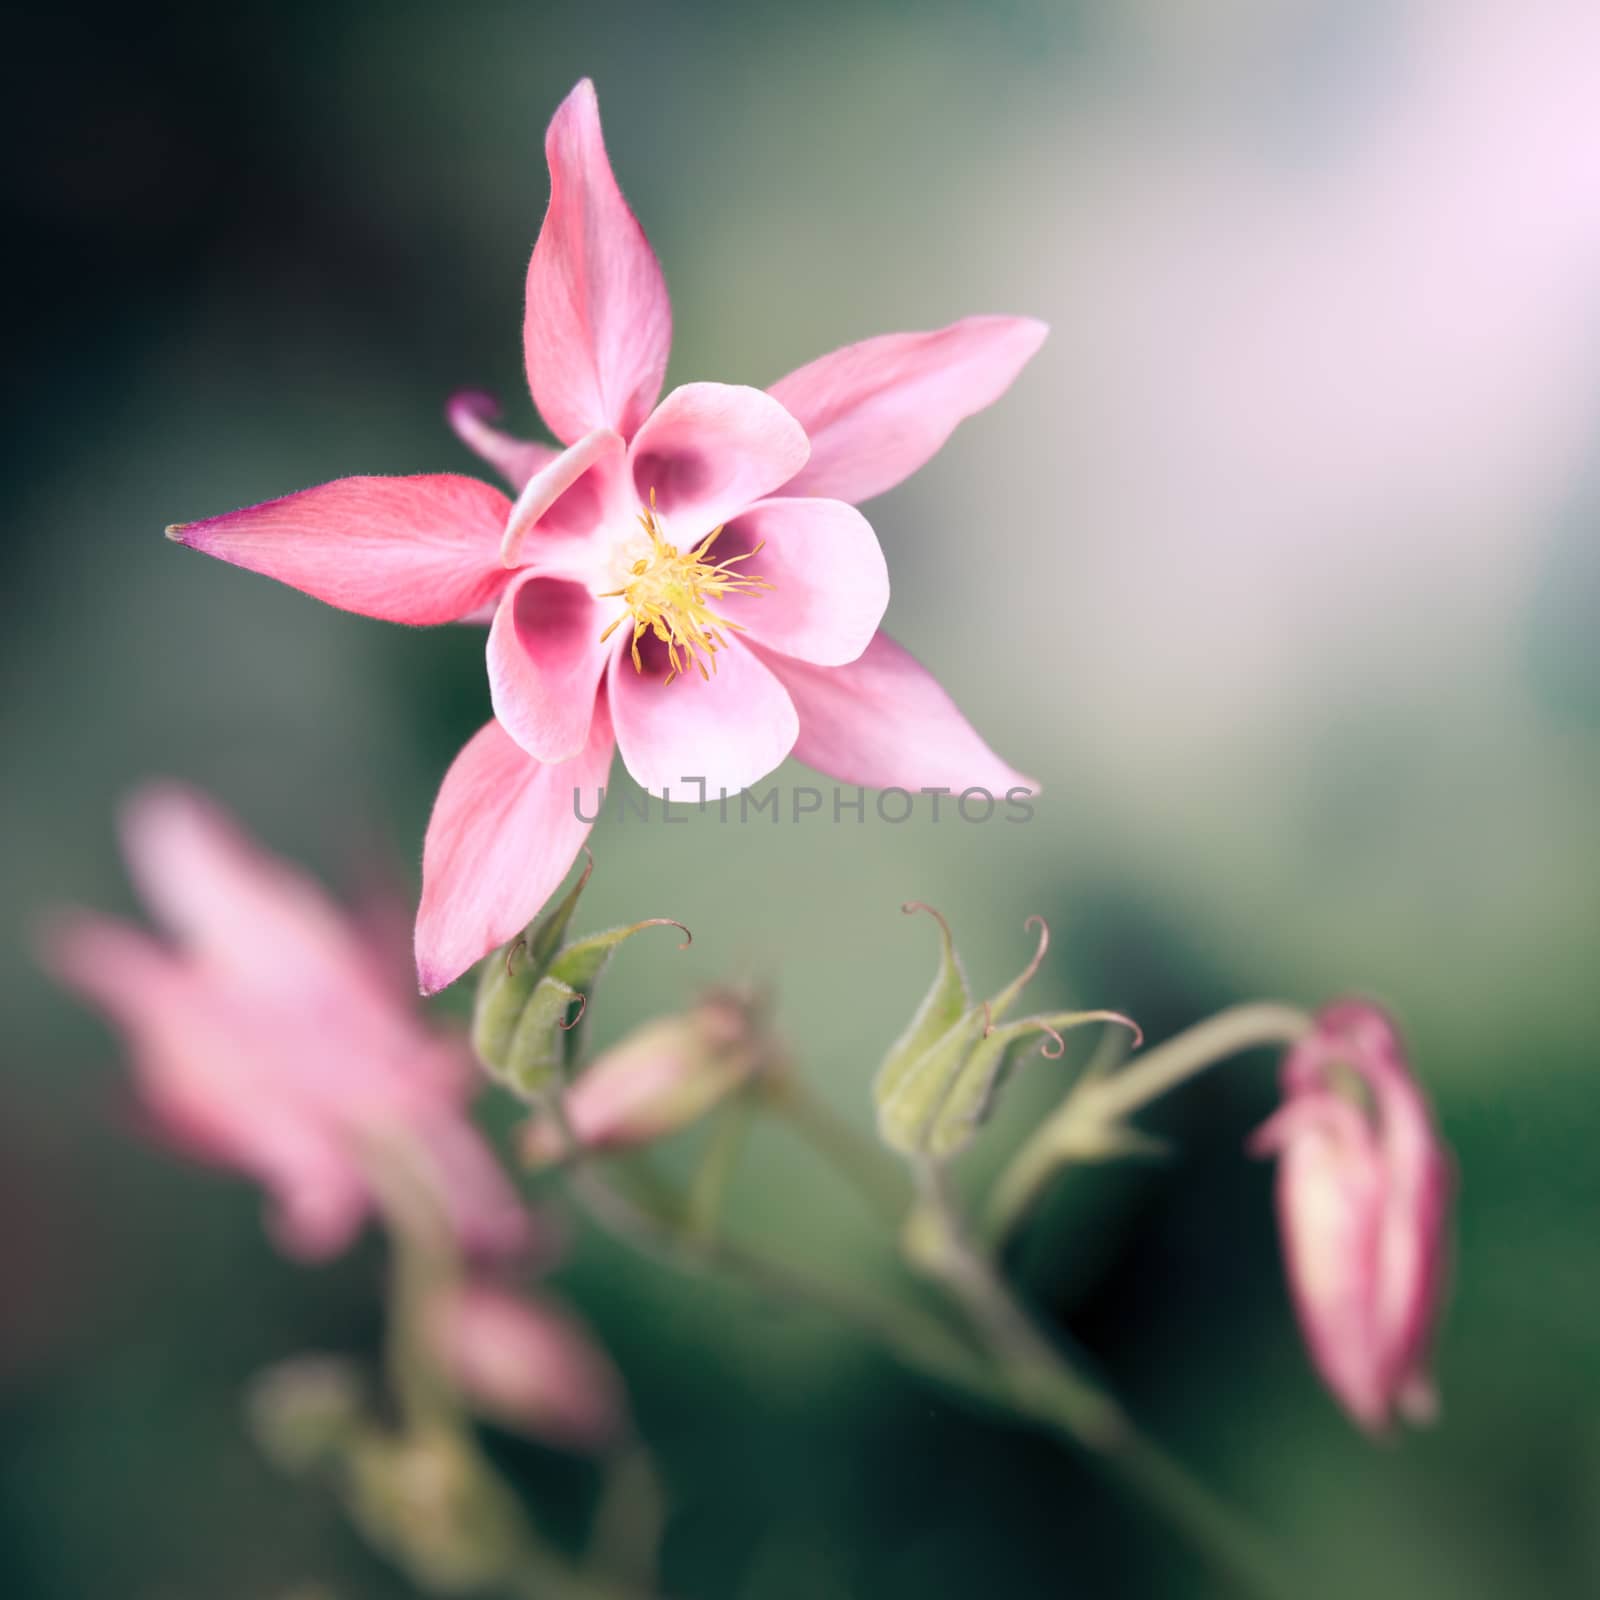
(670, 593)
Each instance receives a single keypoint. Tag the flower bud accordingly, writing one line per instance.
(422, 1496)
(533, 994)
(938, 1083)
(1364, 1187)
(428, 1502)
(306, 1411)
(527, 1364)
(660, 1078)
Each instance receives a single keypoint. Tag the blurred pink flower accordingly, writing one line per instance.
(269, 1035)
(663, 1076)
(529, 1364)
(1364, 1186)
(709, 542)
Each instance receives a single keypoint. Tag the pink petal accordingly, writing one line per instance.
(504, 831)
(122, 971)
(207, 1070)
(485, 1213)
(710, 450)
(623, 1098)
(545, 665)
(598, 325)
(529, 1364)
(878, 410)
(1330, 1202)
(830, 584)
(561, 507)
(420, 550)
(1412, 1252)
(729, 730)
(884, 722)
(249, 917)
(471, 414)
(315, 1216)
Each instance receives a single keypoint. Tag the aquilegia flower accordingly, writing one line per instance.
(268, 1034)
(1363, 1198)
(688, 580)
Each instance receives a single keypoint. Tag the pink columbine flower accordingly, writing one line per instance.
(269, 1034)
(688, 580)
(528, 1364)
(1364, 1187)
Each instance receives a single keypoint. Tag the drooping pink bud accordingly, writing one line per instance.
(663, 1076)
(528, 1364)
(1364, 1189)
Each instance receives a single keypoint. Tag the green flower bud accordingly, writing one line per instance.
(424, 1497)
(509, 977)
(304, 1413)
(533, 994)
(939, 1081)
(429, 1503)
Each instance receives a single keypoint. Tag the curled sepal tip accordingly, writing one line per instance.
(664, 922)
(582, 962)
(1007, 997)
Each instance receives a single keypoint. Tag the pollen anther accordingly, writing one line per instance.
(669, 593)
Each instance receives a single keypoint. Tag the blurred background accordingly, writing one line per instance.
(1278, 566)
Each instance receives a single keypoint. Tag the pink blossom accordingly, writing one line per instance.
(269, 1034)
(1364, 1187)
(529, 1364)
(688, 580)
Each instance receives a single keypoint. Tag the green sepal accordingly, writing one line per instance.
(510, 976)
(942, 1007)
(907, 1113)
(970, 1094)
(536, 1052)
(580, 965)
(974, 1086)
(522, 1032)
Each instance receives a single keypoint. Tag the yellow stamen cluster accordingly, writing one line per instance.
(668, 593)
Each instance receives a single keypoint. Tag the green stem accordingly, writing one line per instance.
(917, 1338)
(1093, 1115)
(709, 1186)
(1230, 1032)
(859, 1160)
(1026, 1375)
(423, 1264)
(1030, 1378)
(1040, 1378)
(541, 1575)
(625, 1533)
(1044, 1385)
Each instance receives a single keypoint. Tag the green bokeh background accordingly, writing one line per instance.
(1278, 567)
